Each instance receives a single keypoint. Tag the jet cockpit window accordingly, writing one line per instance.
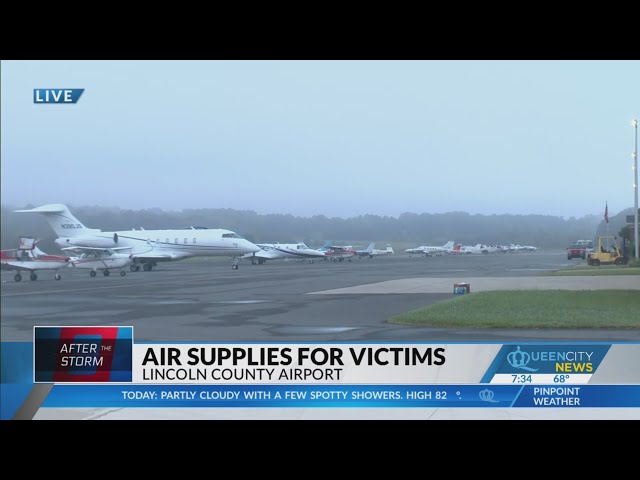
(230, 235)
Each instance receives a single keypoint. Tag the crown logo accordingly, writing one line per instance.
(520, 359)
(487, 395)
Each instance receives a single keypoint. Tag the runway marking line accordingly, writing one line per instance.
(181, 282)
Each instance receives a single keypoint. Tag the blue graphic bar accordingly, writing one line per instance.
(576, 396)
(344, 396)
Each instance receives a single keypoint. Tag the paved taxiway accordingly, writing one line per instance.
(279, 301)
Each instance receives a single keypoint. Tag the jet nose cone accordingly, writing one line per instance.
(251, 247)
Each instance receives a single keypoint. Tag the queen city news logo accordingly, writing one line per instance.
(550, 358)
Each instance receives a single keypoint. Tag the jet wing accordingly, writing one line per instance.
(156, 258)
(266, 254)
(17, 266)
(34, 265)
(81, 249)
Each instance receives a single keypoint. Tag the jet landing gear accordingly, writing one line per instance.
(106, 272)
(236, 263)
(33, 277)
(145, 266)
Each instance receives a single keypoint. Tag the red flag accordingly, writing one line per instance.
(606, 213)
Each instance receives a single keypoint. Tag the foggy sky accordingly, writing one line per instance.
(338, 138)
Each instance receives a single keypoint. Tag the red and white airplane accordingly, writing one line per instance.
(337, 253)
(29, 258)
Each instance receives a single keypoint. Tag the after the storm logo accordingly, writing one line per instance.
(83, 354)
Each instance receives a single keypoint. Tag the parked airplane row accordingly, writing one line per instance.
(450, 249)
(336, 253)
(105, 251)
(98, 250)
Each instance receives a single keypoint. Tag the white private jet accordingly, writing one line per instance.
(478, 248)
(29, 258)
(371, 251)
(427, 250)
(272, 251)
(147, 247)
(105, 259)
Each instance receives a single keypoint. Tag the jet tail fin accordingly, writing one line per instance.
(448, 245)
(27, 243)
(63, 223)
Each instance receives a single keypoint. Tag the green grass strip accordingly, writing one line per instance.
(531, 309)
(594, 271)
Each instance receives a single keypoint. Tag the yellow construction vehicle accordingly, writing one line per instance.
(607, 253)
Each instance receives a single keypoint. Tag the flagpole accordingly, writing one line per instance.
(635, 189)
(606, 219)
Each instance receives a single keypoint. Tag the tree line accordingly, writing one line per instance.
(544, 231)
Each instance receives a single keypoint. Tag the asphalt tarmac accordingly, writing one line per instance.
(204, 300)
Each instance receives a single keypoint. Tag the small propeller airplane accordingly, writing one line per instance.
(29, 258)
(272, 251)
(105, 259)
(371, 251)
(429, 250)
(337, 253)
